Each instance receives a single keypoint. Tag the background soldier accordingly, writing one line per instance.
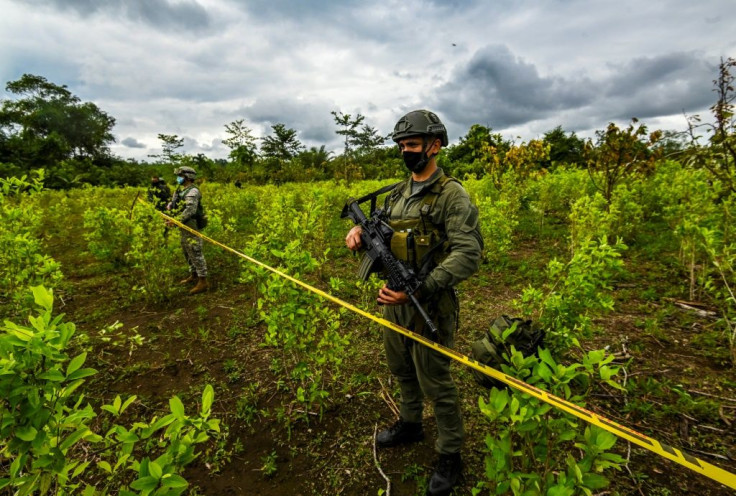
(186, 207)
(427, 206)
(158, 194)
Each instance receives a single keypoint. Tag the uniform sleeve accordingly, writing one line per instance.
(191, 202)
(465, 244)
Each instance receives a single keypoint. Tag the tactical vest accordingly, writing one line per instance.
(419, 242)
(200, 217)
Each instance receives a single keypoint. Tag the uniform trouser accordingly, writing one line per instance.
(192, 247)
(422, 371)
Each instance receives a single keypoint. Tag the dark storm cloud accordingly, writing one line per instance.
(187, 14)
(657, 86)
(498, 89)
(132, 143)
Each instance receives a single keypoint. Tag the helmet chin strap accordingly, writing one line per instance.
(425, 158)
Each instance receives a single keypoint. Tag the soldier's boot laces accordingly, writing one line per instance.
(400, 433)
(202, 286)
(192, 278)
(446, 475)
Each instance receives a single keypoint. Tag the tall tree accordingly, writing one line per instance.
(242, 144)
(316, 160)
(45, 123)
(349, 130)
(368, 139)
(619, 153)
(474, 144)
(564, 148)
(282, 144)
(720, 157)
(170, 143)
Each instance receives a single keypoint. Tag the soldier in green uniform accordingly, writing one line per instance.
(186, 205)
(436, 230)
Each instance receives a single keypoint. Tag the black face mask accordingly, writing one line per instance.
(415, 161)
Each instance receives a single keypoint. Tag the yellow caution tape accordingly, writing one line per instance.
(663, 450)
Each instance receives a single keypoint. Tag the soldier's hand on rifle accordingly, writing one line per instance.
(352, 240)
(389, 297)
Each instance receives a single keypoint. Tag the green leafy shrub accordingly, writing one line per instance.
(46, 438)
(298, 322)
(536, 450)
(23, 260)
(574, 292)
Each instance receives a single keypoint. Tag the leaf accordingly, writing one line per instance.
(73, 438)
(605, 440)
(147, 483)
(110, 408)
(546, 357)
(45, 485)
(52, 375)
(177, 407)
(508, 331)
(127, 403)
(28, 486)
(43, 297)
(24, 334)
(81, 468)
(162, 422)
(560, 491)
(499, 399)
(174, 481)
(105, 466)
(75, 363)
(277, 253)
(514, 407)
(595, 481)
(207, 397)
(155, 470)
(80, 374)
(27, 433)
(567, 435)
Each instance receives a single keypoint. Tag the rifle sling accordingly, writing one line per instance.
(372, 196)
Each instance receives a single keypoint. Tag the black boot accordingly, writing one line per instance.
(400, 433)
(445, 475)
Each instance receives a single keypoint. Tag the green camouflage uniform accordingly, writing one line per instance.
(422, 371)
(191, 244)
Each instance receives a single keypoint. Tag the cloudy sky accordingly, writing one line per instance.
(189, 67)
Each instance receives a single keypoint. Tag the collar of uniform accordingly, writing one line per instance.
(426, 184)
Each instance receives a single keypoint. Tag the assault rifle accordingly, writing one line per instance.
(376, 239)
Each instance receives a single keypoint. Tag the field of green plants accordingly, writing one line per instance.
(116, 381)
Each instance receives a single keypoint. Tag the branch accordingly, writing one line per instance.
(378, 465)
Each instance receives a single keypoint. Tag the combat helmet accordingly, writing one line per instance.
(420, 123)
(186, 172)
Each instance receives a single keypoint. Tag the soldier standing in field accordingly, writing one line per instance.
(186, 207)
(158, 193)
(436, 229)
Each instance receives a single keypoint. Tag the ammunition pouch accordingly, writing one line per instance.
(421, 250)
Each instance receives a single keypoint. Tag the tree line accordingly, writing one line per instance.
(43, 125)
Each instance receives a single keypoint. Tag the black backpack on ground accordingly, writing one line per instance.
(505, 332)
